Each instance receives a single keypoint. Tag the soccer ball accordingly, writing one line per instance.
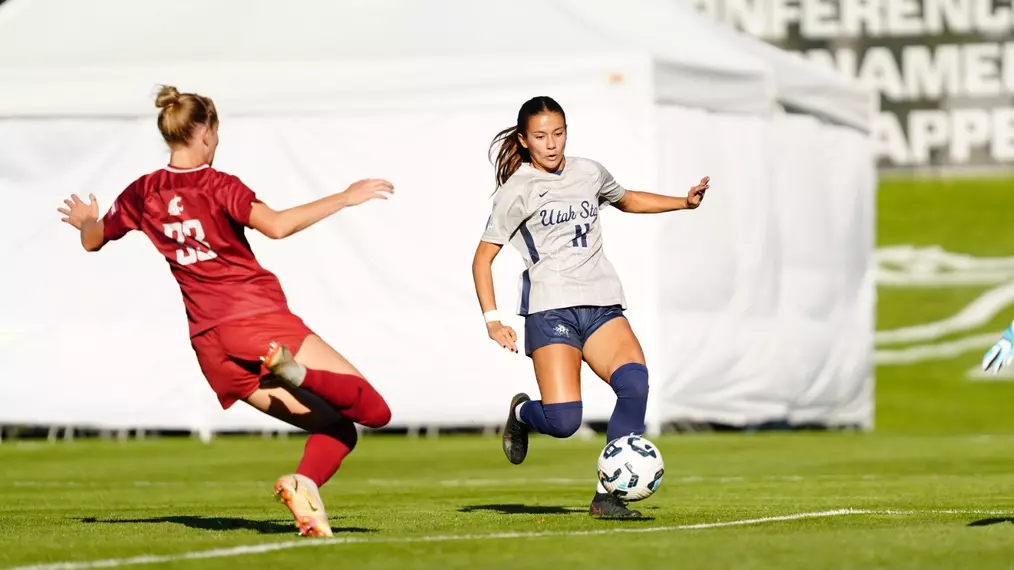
(631, 468)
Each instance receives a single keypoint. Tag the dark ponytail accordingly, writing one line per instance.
(511, 154)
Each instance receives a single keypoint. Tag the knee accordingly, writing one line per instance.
(377, 414)
(563, 419)
(630, 381)
(379, 417)
(345, 432)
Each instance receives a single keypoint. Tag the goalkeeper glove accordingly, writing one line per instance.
(1001, 353)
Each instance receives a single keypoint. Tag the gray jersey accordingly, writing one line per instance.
(553, 221)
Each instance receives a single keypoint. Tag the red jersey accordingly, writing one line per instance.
(196, 218)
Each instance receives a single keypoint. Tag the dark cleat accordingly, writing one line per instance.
(605, 505)
(515, 433)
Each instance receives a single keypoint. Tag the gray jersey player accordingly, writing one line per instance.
(547, 206)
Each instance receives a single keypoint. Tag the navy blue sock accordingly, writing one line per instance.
(630, 382)
(558, 420)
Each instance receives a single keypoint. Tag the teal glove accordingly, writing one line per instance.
(1001, 353)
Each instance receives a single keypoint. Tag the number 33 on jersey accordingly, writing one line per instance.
(180, 231)
(193, 229)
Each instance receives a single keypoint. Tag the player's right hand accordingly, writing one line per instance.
(1001, 353)
(366, 190)
(78, 212)
(696, 194)
(503, 335)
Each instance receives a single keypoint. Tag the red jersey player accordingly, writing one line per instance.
(195, 216)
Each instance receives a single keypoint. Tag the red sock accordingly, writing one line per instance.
(325, 451)
(351, 395)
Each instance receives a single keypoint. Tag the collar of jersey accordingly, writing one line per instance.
(538, 172)
(172, 168)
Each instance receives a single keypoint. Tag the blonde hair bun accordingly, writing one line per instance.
(167, 95)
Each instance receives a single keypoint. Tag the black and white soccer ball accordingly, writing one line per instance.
(631, 468)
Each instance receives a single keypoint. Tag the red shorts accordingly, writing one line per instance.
(229, 354)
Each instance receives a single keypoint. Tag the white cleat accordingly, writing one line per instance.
(280, 361)
(302, 497)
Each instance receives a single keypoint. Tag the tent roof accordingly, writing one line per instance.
(798, 83)
(801, 84)
(103, 57)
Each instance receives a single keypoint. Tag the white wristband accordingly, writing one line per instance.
(491, 316)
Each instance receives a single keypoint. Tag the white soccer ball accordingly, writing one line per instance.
(631, 468)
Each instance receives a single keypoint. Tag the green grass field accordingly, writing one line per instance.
(961, 216)
(931, 487)
(920, 502)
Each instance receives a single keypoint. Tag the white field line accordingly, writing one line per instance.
(977, 313)
(286, 545)
(887, 277)
(910, 266)
(936, 256)
(938, 351)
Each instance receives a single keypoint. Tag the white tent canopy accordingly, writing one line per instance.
(800, 84)
(105, 55)
(317, 94)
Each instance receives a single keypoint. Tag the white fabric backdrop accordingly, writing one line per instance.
(768, 298)
(757, 306)
(102, 337)
(739, 306)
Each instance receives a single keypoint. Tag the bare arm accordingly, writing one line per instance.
(278, 225)
(281, 224)
(92, 235)
(482, 275)
(636, 202)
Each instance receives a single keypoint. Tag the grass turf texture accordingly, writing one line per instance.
(95, 500)
(92, 500)
(971, 216)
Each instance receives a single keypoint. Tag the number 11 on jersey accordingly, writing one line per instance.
(179, 231)
(581, 235)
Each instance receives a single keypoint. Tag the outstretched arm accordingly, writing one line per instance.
(636, 202)
(281, 224)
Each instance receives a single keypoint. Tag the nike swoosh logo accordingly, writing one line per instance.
(309, 501)
(544, 193)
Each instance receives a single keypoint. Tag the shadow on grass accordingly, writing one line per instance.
(221, 524)
(992, 521)
(519, 509)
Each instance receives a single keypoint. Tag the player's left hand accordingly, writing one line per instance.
(77, 212)
(366, 190)
(696, 194)
(1001, 353)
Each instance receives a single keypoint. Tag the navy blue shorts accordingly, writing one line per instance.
(573, 326)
